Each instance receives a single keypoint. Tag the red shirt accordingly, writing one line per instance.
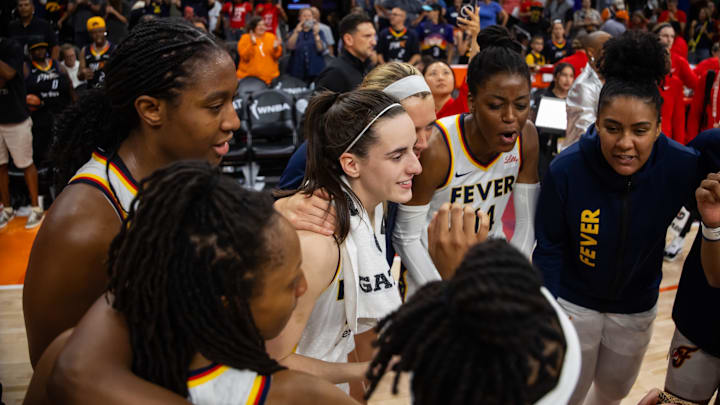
(679, 47)
(698, 104)
(269, 13)
(535, 8)
(673, 109)
(578, 60)
(237, 13)
(679, 15)
(456, 106)
(712, 63)
(681, 69)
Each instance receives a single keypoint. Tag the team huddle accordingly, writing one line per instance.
(388, 255)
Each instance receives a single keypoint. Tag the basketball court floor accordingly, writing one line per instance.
(15, 371)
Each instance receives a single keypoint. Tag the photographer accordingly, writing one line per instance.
(307, 44)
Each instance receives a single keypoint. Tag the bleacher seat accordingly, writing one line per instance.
(249, 85)
(272, 125)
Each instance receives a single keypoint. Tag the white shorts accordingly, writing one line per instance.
(17, 139)
(692, 374)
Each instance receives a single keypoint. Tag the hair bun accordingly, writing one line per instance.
(499, 37)
(634, 57)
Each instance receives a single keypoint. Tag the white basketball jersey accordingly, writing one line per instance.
(218, 384)
(486, 187)
(327, 335)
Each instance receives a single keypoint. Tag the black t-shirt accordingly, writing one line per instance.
(554, 52)
(50, 85)
(397, 46)
(696, 312)
(96, 61)
(12, 93)
(38, 29)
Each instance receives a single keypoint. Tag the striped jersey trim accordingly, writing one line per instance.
(259, 391)
(102, 185)
(203, 375)
(466, 147)
(448, 144)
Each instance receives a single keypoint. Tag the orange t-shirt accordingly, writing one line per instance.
(259, 59)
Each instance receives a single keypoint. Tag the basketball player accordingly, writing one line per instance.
(478, 159)
(94, 56)
(224, 275)
(492, 332)
(360, 152)
(158, 105)
(606, 203)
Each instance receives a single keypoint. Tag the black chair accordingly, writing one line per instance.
(301, 103)
(249, 85)
(272, 128)
(290, 85)
(239, 155)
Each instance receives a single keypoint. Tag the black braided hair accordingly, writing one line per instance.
(488, 335)
(155, 59)
(633, 64)
(182, 269)
(499, 53)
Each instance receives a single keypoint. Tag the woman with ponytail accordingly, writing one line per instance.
(478, 159)
(360, 152)
(606, 203)
(167, 96)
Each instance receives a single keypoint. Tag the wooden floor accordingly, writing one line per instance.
(15, 371)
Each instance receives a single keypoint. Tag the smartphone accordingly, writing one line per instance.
(308, 24)
(468, 9)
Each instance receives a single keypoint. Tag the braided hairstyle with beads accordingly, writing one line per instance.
(488, 335)
(156, 59)
(187, 260)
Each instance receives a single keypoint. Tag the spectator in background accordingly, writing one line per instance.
(583, 96)
(511, 7)
(579, 58)
(611, 11)
(531, 13)
(94, 56)
(396, 43)
(535, 58)
(71, 64)
(214, 12)
(441, 80)
(587, 19)
(673, 108)
(557, 46)
(307, 45)
(711, 63)
(673, 14)
(15, 133)
(617, 24)
(701, 37)
(638, 21)
(116, 14)
(30, 28)
(557, 9)
(259, 52)
(346, 72)
(272, 12)
(47, 81)
(453, 12)
(679, 46)
(680, 66)
(327, 32)
(436, 36)
(491, 13)
(79, 12)
(237, 12)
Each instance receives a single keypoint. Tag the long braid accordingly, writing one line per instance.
(486, 333)
(155, 59)
(188, 258)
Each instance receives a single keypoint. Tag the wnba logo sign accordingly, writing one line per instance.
(257, 111)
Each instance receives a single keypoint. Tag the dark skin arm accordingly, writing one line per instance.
(66, 272)
(6, 71)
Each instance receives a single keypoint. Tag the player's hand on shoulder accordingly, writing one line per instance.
(451, 232)
(313, 213)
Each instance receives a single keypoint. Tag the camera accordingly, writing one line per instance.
(308, 24)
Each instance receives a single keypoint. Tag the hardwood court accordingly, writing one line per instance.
(15, 371)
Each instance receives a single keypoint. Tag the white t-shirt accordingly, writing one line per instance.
(73, 73)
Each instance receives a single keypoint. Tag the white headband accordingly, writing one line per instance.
(406, 87)
(571, 364)
(357, 138)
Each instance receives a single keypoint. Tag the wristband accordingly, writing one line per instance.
(667, 397)
(710, 234)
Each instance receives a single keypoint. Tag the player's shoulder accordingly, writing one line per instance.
(290, 386)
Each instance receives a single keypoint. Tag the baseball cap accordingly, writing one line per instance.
(94, 23)
(37, 43)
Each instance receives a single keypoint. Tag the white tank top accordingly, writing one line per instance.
(484, 186)
(327, 335)
(94, 173)
(218, 384)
